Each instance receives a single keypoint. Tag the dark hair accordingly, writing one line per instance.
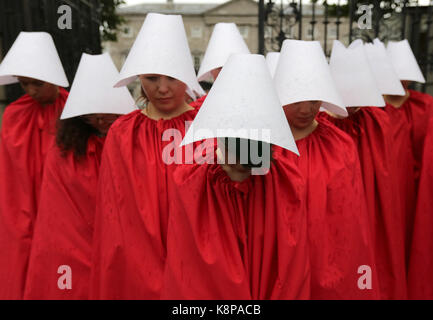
(250, 143)
(72, 136)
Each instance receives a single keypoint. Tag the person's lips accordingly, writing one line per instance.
(164, 100)
(305, 119)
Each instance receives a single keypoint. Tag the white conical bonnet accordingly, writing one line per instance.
(352, 75)
(303, 75)
(404, 62)
(161, 47)
(243, 101)
(92, 90)
(225, 40)
(383, 71)
(356, 43)
(272, 61)
(33, 55)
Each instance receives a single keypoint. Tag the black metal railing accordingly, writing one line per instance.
(338, 19)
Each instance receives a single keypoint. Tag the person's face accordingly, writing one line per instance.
(100, 121)
(41, 91)
(165, 93)
(215, 73)
(302, 114)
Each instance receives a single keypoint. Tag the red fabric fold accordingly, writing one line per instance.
(417, 109)
(132, 207)
(369, 129)
(64, 225)
(420, 276)
(338, 228)
(197, 103)
(237, 240)
(28, 130)
(404, 168)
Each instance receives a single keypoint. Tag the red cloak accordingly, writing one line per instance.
(132, 207)
(64, 225)
(369, 129)
(420, 277)
(404, 168)
(338, 229)
(237, 240)
(417, 109)
(28, 130)
(197, 103)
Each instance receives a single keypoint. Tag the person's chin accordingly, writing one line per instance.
(166, 107)
(304, 122)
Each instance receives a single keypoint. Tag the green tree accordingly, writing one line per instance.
(110, 20)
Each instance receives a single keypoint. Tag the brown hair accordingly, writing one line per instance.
(72, 136)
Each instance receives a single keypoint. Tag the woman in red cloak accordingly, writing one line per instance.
(339, 237)
(140, 153)
(369, 127)
(237, 234)
(28, 131)
(64, 225)
(409, 114)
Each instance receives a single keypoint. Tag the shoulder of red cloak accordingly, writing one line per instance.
(13, 111)
(198, 103)
(327, 130)
(19, 110)
(420, 105)
(422, 97)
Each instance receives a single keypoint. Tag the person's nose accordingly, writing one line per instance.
(163, 86)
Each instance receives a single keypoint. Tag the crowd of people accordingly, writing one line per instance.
(292, 178)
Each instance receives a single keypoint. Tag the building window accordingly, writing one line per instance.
(332, 31)
(268, 32)
(244, 30)
(196, 31)
(310, 32)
